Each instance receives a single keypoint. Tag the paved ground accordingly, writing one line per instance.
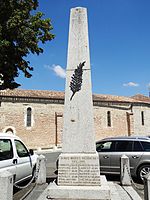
(20, 194)
(27, 194)
(139, 187)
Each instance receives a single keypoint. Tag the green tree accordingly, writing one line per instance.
(20, 33)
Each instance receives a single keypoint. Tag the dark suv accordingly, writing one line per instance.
(137, 149)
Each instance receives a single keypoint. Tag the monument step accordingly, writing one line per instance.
(116, 192)
(54, 191)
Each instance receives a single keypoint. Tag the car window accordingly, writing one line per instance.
(6, 151)
(21, 149)
(104, 146)
(146, 146)
(123, 146)
(137, 146)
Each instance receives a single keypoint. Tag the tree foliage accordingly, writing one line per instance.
(20, 34)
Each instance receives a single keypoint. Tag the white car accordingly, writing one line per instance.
(16, 158)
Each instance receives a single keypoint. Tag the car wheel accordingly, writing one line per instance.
(142, 171)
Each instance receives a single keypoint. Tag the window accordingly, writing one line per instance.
(108, 119)
(142, 117)
(6, 151)
(29, 112)
(146, 146)
(137, 146)
(124, 146)
(104, 146)
(21, 149)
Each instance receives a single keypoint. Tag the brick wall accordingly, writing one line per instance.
(42, 133)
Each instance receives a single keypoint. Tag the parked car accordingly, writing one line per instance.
(136, 148)
(16, 158)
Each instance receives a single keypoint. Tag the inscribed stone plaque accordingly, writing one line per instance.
(79, 169)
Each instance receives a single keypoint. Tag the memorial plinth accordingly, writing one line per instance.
(78, 168)
(80, 192)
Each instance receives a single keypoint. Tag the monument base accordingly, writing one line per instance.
(80, 192)
(79, 169)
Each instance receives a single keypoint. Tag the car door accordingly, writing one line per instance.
(104, 149)
(135, 156)
(7, 156)
(121, 148)
(23, 161)
(127, 148)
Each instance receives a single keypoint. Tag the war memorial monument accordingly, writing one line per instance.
(78, 169)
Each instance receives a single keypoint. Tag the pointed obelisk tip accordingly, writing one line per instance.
(79, 8)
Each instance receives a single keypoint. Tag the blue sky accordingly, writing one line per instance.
(119, 36)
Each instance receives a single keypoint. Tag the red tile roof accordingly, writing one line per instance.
(32, 93)
(60, 95)
(141, 98)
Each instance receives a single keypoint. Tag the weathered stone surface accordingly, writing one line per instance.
(80, 192)
(78, 130)
(125, 171)
(6, 185)
(41, 168)
(79, 169)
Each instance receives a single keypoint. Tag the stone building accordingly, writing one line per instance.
(37, 116)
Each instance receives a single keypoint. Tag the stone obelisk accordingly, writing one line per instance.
(79, 162)
(78, 130)
(78, 168)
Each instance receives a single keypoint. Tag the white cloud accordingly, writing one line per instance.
(59, 71)
(131, 84)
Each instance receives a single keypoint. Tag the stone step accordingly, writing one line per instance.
(39, 192)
